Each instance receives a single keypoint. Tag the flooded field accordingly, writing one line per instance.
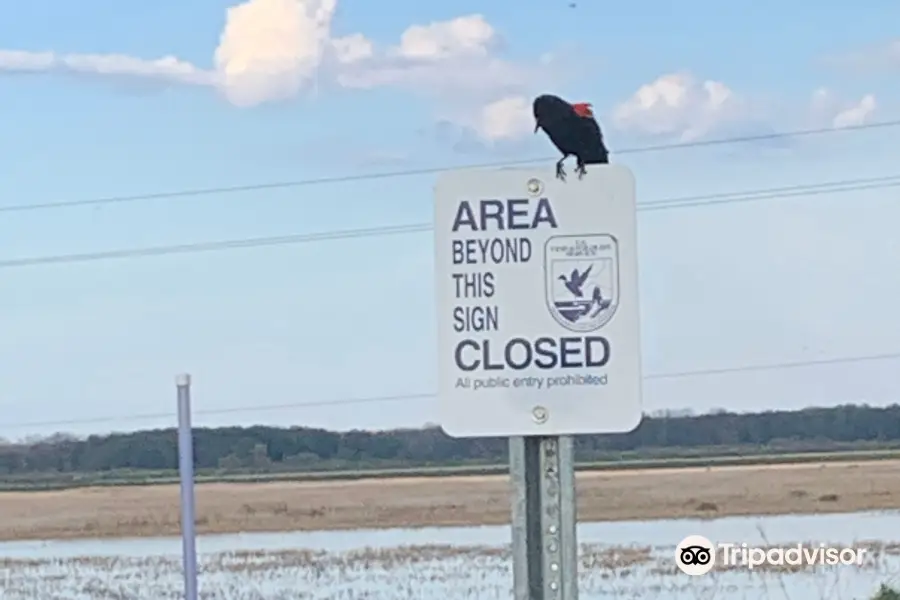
(618, 560)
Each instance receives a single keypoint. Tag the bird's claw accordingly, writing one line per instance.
(581, 170)
(560, 172)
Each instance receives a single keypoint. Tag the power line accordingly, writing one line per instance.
(192, 248)
(777, 193)
(424, 171)
(423, 396)
(819, 362)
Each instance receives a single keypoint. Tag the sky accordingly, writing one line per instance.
(105, 100)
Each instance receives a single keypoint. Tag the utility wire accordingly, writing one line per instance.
(665, 204)
(424, 396)
(776, 193)
(423, 171)
(192, 248)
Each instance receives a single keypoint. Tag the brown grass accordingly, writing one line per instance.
(411, 502)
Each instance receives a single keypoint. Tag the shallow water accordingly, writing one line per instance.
(619, 560)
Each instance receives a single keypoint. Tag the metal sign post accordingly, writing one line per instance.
(186, 475)
(545, 548)
(538, 338)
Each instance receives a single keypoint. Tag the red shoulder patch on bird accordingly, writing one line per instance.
(583, 109)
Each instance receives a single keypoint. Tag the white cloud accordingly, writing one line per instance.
(272, 50)
(165, 68)
(13, 60)
(352, 48)
(858, 114)
(683, 106)
(829, 110)
(678, 104)
(470, 35)
(456, 64)
(168, 67)
(505, 119)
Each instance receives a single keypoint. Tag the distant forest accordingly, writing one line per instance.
(299, 449)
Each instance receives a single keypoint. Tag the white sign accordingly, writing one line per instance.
(537, 302)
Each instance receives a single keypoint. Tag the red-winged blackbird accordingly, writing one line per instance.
(573, 130)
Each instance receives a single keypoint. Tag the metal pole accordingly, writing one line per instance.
(545, 548)
(186, 474)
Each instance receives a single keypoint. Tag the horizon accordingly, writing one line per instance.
(658, 414)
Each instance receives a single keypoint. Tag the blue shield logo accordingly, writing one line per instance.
(581, 280)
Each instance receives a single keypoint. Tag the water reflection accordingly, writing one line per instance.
(621, 559)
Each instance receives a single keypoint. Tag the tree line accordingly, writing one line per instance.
(261, 448)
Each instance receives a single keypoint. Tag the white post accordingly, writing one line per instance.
(186, 474)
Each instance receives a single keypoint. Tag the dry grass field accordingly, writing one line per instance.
(409, 502)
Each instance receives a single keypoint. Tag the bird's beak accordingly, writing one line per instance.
(536, 127)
